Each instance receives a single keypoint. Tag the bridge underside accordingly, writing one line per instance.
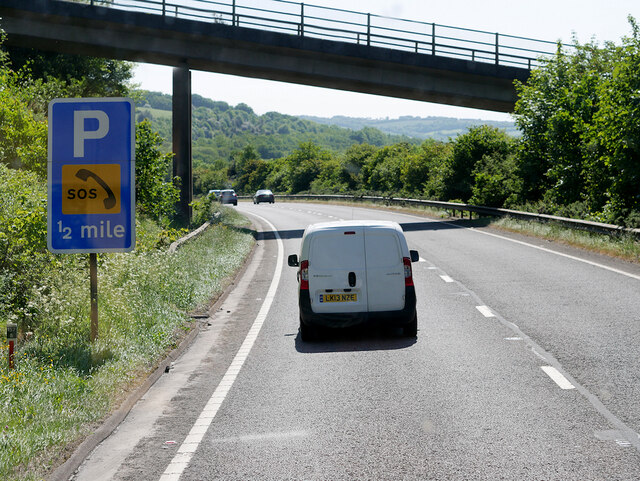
(216, 47)
(83, 29)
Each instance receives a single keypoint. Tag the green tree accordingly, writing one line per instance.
(156, 196)
(251, 171)
(84, 76)
(383, 171)
(354, 159)
(495, 181)
(421, 165)
(554, 111)
(23, 135)
(305, 164)
(436, 158)
(211, 176)
(469, 149)
(616, 128)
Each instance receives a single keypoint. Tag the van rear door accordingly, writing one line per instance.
(385, 269)
(337, 273)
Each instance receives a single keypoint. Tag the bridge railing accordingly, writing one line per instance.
(317, 21)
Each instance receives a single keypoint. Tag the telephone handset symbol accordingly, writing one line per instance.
(110, 201)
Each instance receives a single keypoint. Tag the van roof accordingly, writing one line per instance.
(342, 224)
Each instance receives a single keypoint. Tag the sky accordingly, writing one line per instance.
(564, 20)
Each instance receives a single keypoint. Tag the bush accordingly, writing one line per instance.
(24, 258)
(156, 193)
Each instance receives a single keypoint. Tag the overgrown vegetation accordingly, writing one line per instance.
(62, 382)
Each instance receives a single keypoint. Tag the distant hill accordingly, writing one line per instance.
(439, 128)
(219, 129)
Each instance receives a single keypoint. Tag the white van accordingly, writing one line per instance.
(355, 272)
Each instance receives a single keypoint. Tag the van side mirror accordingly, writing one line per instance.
(415, 257)
(293, 260)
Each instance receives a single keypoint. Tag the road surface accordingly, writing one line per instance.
(525, 367)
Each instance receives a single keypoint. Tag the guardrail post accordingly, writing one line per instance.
(433, 39)
(164, 7)
(368, 29)
(497, 52)
(301, 29)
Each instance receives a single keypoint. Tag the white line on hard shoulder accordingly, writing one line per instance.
(543, 249)
(188, 447)
(557, 377)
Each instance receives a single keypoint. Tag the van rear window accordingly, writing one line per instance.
(382, 250)
(337, 251)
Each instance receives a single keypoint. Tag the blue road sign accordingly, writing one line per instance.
(91, 175)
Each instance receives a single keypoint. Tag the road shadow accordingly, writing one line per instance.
(284, 234)
(406, 227)
(355, 340)
(443, 225)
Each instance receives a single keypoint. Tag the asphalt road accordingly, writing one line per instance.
(525, 368)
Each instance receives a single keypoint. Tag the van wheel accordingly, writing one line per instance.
(411, 329)
(307, 333)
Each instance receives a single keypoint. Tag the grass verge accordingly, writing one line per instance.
(62, 384)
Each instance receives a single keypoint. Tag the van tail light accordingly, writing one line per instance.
(304, 275)
(408, 275)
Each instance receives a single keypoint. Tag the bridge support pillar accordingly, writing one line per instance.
(182, 139)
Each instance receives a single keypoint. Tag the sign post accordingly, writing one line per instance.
(91, 180)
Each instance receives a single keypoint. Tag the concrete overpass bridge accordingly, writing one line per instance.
(291, 42)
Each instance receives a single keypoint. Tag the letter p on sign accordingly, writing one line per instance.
(79, 132)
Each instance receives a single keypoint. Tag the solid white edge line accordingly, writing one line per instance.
(557, 377)
(544, 249)
(185, 452)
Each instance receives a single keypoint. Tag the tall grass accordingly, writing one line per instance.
(62, 383)
(624, 246)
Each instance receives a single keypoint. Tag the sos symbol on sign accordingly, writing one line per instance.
(91, 189)
(84, 174)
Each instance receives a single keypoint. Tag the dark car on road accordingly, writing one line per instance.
(263, 195)
(228, 196)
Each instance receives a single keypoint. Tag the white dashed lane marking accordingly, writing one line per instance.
(485, 311)
(557, 377)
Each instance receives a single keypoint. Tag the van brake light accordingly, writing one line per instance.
(408, 275)
(304, 275)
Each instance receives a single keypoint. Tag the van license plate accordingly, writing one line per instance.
(338, 297)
